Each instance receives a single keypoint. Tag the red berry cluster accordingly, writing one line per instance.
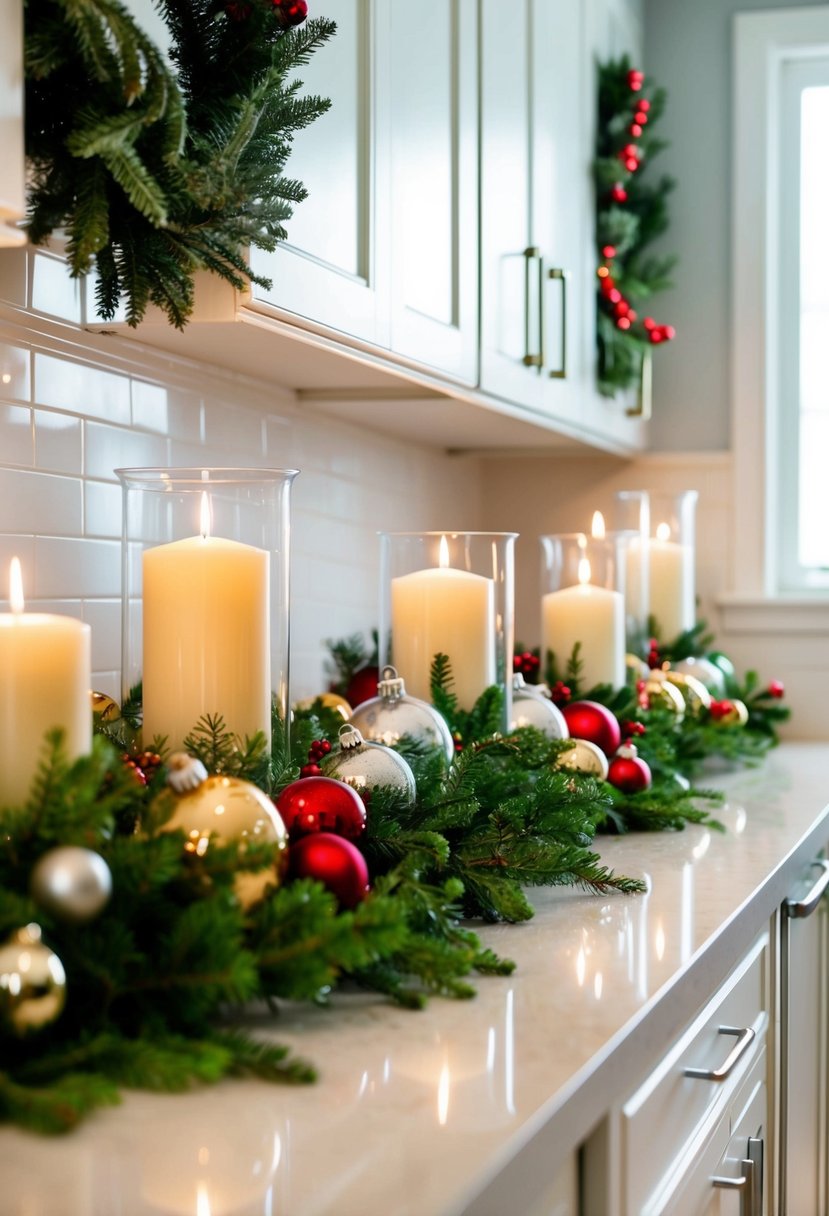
(142, 766)
(776, 689)
(720, 709)
(318, 749)
(630, 155)
(560, 693)
(642, 698)
(287, 12)
(631, 729)
(654, 658)
(526, 663)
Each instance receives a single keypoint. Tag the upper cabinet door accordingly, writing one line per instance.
(531, 228)
(333, 270)
(434, 185)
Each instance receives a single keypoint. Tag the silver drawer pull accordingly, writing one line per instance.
(798, 908)
(751, 1193)
(745, 1037)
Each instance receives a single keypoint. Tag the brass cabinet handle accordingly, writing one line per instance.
(531, 254)
(644, 396)
(560, 373)
(797, 909)
(745, 1037)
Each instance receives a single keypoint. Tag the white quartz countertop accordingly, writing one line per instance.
(440, 1112)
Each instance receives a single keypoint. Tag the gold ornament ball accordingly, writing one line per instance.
(331, 700)
(694, 693)
(737, 715)
(104, 707)
(226, 809)
(584, 757)
(32, 982)
(662, 692)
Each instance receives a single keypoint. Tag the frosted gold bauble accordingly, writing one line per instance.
(737, 715)
(331, 700)
(667, 695)
(694, 692)
(32, 982)
(586, 758)
(226, 809)
(104, 707)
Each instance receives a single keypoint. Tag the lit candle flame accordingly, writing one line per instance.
(584, 571)
(443, 554)
(16, 586)
(598, 528)
(663, 532)
(443, 1095)
(205, 515)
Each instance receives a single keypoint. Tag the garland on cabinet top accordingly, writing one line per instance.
(156, 171)
(629, 215)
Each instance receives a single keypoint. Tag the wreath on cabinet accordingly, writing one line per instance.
(629, 216)
(159, 166)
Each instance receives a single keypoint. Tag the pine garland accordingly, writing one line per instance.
(629, 216)
(161, 171)
(153, 982)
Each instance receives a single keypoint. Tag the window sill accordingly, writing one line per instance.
(801, 615)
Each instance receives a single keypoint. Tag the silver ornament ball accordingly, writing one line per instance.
(72, 883)
(393, 715)
(366, 766)
(532, 707)
(32, 982)
(705, 671)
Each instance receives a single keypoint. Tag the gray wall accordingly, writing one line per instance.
(688, 48)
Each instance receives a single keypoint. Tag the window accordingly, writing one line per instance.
(781, 302)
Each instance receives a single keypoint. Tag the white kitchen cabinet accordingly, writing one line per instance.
(334, 268)
(530, 226)
(434, 185)
(12, 184)
(804, 974)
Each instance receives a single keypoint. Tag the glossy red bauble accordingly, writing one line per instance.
(362, 686)
(628, 773)
(594, 722)
(321, 804)
(336, 863)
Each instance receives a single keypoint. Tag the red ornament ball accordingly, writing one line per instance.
(336, 863)
(290, 12)
(594, 722)
(776, 689)
(362, 686)
(317, 804)
(628, 772)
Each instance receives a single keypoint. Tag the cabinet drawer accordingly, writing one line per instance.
(670, 1107)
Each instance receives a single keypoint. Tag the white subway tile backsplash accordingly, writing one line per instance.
(168, 411)
(15, 373)
(102, 510)
(92, 566)
(63, 385)
(58, 442)
(104, 619)
(16, 429)
(110, 447)
(39, 503)
(233, 428)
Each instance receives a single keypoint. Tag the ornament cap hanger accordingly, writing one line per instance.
(350, 737)
(391, 686)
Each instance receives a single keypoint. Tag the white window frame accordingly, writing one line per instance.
(763, 43)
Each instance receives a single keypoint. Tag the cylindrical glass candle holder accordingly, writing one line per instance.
(449, 593)
(671, 558)
(205, 597)
(581, 606)
(630, 529)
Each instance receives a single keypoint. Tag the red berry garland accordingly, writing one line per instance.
(622, 150)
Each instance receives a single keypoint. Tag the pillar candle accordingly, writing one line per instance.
(671, 584)
(45, 680)
(445, 611)
(593, 616)
(206, 637)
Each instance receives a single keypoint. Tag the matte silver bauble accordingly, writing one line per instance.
(32, 982)
(705, 671)
(531, 706)
(365, 766)
(72, 883)
(393, 715)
